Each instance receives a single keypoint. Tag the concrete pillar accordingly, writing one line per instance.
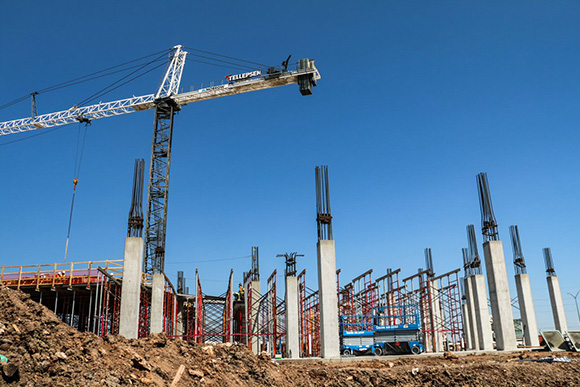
(481, 312)
(292, 318)
(131, 288)
(527, 310)
(437, 317)
(157, 293)
(329, 338)
(557, 304)
(499, 296)
(179, 324)
(254, 318)
(473, 332)
(466, 324)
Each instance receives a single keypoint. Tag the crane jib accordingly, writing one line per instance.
(306, 76)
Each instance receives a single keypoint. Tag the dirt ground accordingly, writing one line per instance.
(43, 351)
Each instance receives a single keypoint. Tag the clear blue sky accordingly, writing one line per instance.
(416, 98)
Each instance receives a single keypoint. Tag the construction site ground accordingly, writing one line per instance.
(43, 351)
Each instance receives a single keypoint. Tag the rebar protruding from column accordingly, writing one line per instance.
(429, 262)
(255, 272)
(135, 227)
(323, 215)
(519, 262)
(462, 290)
(466, 265)
(550, 271)
(474, 261)
(181, 283)
(290, 262)
(488, 222)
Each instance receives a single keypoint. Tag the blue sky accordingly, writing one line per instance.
(415, 99)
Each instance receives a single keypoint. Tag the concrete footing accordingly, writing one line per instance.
(527, 310)
(157, 292)
(499, 296)
(560, 322)
(292, 318)
(329, 337)
(131, 288)
(481, 309)
(472, 325)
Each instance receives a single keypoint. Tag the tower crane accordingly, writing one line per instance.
(166, 102)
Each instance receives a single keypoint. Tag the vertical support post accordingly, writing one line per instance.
(499, 292)
(437, 316)
(131, 288)
(157, 295)
(133, 258)
(255, 316)
(473, 332)
(292, 306)
(481, 312)
(292, 328)
(328, 301)
(329, 343)
(527, 311)
(499, 296)
(560, 322)
(231, 308)
(526, 303)
(466, 315)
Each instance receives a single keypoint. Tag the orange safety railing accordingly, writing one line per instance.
(69, 274)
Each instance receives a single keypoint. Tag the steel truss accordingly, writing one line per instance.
(156, 225)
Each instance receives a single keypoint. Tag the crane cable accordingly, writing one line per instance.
(77, 169)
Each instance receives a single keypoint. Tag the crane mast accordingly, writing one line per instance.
(166, 102)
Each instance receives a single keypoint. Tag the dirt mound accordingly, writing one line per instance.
(46, 352)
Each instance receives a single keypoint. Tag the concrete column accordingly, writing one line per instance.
(481, 312)
(157, 293)
(254, 318)
(473, 332)
(230, 339)
(179, 324)
(436, 315)
(466, 324)
(292, 323)
(557, 304)
(499, 296)
(329, 339)
(131, 288)
(527, 310)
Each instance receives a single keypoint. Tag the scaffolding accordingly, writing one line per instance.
(451, 323)
(86, 295)
(309, 312)
(271, 325)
